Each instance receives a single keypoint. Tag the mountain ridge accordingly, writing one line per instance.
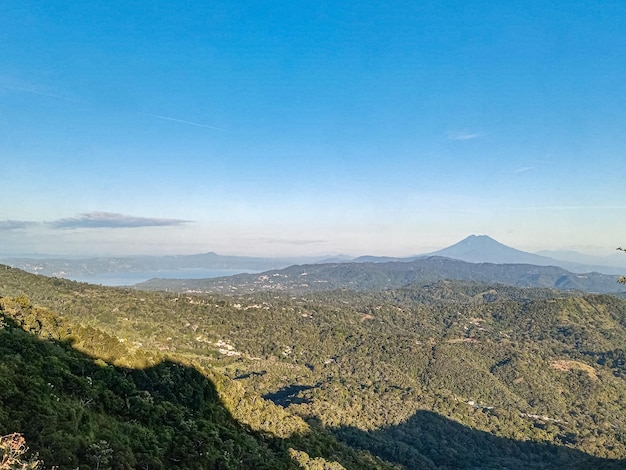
(474, 248)
(437, 376)
(389, 275)
(484, 249)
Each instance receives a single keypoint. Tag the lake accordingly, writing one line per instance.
(132, 278)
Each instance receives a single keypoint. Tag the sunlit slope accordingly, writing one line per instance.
(442, 375)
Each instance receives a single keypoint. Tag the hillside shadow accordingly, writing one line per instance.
(77, 411)
(428, 441)
(289, 395)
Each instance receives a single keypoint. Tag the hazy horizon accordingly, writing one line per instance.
(310, 128)
(565, 254)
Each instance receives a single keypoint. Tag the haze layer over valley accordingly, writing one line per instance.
(131, 270)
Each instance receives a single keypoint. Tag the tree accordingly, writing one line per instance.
(100, 453)
(12, 450)
(622, 279)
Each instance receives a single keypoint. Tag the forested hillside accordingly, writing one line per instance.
(437, 375)
(390, 275)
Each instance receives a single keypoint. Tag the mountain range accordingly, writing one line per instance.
(484, 249)
(439, 375)
(473, 249)
(389, 275)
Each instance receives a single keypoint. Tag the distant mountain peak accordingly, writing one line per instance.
(481, 238)
(484, 249)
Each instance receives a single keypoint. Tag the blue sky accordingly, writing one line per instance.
(281, 128)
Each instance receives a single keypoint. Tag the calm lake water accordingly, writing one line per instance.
(131, 278)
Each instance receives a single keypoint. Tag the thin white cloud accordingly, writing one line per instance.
(292, 241)
(533, 165)
(182, 121)
(42, 93)
(569, 208)
(112, 220)
(34, 91)
(15, 224)
(456, 135)
(524, 169)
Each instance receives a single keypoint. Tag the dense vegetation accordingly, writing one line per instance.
(439, 375)
(368, 276)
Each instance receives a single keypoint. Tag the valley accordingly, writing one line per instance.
(312, 235)
(365, 373)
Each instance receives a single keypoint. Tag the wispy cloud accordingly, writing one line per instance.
(112, 220)
(286, 241)
(33, 91)
(15, 224)
(182, 121)
(460, 135)
(524, 169)
(569, 208)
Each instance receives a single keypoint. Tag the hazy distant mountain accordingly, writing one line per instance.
(473, 249)
(334, 259)
(378, 259)
(616, 262)
(484, 249)
(378, 276)
(84, 268)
